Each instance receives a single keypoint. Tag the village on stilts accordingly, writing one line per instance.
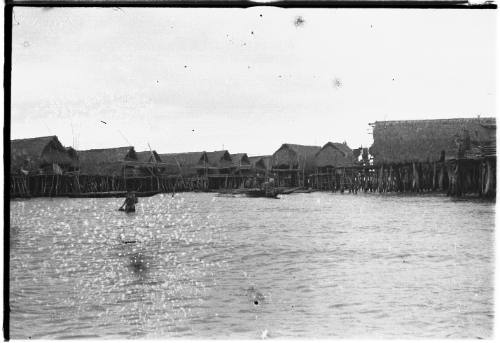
(456, 157)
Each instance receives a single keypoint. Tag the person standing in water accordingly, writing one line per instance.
(129, 203)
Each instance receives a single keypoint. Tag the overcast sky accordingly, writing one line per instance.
(247, 80)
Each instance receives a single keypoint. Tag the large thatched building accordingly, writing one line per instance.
(41, 155)
(456, 155)
(407, 141)
(292, 163)
(107, 162)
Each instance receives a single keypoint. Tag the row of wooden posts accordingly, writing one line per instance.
(51, 185)
(456, 178)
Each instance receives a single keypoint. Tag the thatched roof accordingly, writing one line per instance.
(148, 156)
(336, 155)
(240, 160)
(30, 154)
(72, 153)
(184, 163)
(295, 156)
(429, 140)
(218, 159)
(261, 162)
(105, 161)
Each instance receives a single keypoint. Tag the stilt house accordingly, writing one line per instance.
(108, 162)
(217, 163)
(184, 164)
(430, 140)
(292, 164)
(217, 168)
(334, 155)
(333, 165)
(41, 155)
(428, 154)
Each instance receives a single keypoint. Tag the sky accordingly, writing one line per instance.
(246, 80)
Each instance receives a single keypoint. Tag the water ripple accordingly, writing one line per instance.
(309, 265)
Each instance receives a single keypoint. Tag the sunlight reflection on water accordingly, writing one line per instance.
(307, 265)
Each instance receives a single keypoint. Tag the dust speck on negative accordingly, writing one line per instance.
(337, 83)
(299, 21)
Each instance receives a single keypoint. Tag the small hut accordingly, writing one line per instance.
(41, 155)
(293, 163)
(107, 162)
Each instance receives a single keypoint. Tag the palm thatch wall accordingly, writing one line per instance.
(108, 162)
(430, 140)
(335, 155)
(295, 156)
(41, 154)
(184, 164)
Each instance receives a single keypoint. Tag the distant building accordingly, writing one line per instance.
(293, 163)
(41, 155)
(217, 163)
(334, 155)
(184, 163)
(332, 164)
(107, 162)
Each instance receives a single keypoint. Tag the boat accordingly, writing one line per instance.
(262, 193)
(288, 190)
(308, 190)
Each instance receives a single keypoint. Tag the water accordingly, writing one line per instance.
(200, 266)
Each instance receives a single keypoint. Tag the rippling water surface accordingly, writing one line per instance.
(201, 266)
